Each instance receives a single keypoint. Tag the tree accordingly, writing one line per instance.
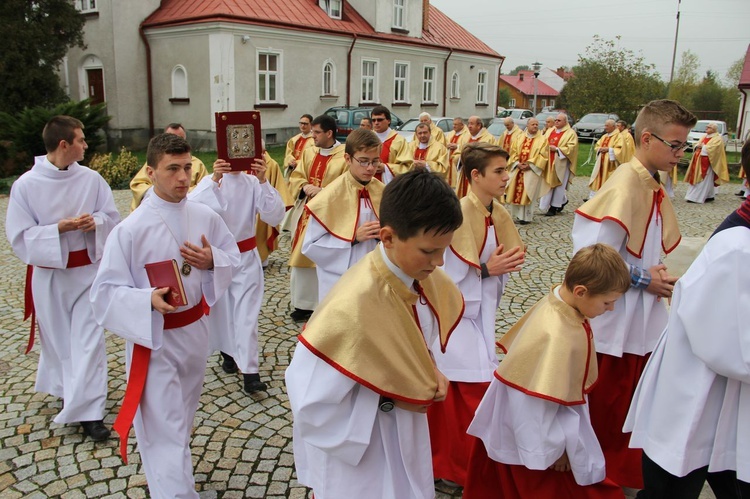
(734, 72)
(612, 80)
(520, 68)
(708, 98)
(685, 79)
(38, 34)
(503, 97)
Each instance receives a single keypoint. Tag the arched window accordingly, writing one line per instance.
(455, 86)
(329, 78)
(179, 82)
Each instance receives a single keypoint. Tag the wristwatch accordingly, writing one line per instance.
(386, 404)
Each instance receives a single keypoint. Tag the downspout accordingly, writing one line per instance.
(148, 82)
(445, 83)
(746, 96)
(349, 71)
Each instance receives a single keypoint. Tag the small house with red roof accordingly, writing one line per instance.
(743, 121)
(156, 62)
(521, 87)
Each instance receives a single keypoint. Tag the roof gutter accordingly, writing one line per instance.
(445, 83)
(149, 82)
(349, 71)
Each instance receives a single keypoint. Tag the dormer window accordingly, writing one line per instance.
(86, 5)
(399, 8)
(332, 7)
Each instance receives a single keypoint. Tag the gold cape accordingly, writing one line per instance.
(629, 198)
(140, 183)
(452, 156)
(437, 157)
(604, 167)
(716, 156)
(628, 148)
(299, 177)
(568, 144)
(469, 239)
(290, 145)
(550, 353)
(538, 156)
(514, 134)
(366, 329)
(398, 144)
(267, 237)
(337, 206)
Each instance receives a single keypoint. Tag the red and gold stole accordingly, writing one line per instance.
(299, 146)
(317, 172)
(385, 152)
(507, 141)
(554, 139)
(605, 143)
(528, 142)
(456, 137)
(420, 153)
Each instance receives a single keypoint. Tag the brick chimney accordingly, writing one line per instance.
(560, 72)
(425, 15)
(520, 76)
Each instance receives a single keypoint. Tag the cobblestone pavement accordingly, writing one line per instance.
(241, 444)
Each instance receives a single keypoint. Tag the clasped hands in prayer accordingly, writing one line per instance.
(84, 223)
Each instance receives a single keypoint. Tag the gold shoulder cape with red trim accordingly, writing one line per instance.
(550, 353)
(337, 206)
(629, 198)
(366, 329)
(468, 240)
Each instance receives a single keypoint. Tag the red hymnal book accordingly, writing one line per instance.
(167, 274)
(238, 138)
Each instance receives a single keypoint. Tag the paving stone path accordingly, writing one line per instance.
(242, 445)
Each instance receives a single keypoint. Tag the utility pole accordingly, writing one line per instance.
(674, 51)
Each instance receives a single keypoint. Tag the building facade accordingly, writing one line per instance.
(173, 61)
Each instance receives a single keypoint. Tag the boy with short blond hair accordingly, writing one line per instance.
(534, 433)
(362, 376)
(484, 250)
(344, 224)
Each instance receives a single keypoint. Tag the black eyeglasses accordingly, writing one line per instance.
(304, 122)
(377, 120)
(675, 147)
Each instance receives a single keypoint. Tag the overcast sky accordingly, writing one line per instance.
(555, 32)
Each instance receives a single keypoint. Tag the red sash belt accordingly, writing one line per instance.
(248, 244)
(78, 258)
(138, 372)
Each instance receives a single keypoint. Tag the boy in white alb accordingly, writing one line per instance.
(166, 347)
(484, 250)
(238, 197)
(59, 216)
(344, 223)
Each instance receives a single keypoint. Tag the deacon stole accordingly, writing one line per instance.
(317, 172)
(520, 189)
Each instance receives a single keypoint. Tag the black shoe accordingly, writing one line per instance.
(523, 222)
(739, 193)
(253, 383)
(300, 315)
(551, 212)
(228, 364)
(709, 200)
(96, 430)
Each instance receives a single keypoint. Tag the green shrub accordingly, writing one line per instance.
(116, 171)
(21, 133)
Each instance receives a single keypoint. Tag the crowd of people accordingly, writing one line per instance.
(400, 252)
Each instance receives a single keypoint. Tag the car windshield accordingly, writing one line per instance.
(496, 129)
(409, 126)
(700, 127)
(341, 115)
(513, 113)
(594, 118)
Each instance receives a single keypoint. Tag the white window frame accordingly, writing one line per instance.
(331, 90)
(278, 73)
(429, 87)
(401, 81)
(334, 8)
(482, 87)
(365, 78)
(177, 91)
(399, 14)
(544, 103)
(455, 85)
(552, 103)
(511, 103)
(86, 5)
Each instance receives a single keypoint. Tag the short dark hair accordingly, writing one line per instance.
(175, 126)
(308, 116)
(422, 125)
(477, 155)
(381, 110)
(419, 201)
(327, 123)
(165, 143)
(361, 139)
(59, 128)
(600, 268)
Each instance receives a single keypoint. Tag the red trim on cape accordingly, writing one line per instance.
(537, 395)
(356, 222)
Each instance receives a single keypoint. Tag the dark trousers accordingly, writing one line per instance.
(660, 484)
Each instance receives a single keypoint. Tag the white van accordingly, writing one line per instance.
(697, 133)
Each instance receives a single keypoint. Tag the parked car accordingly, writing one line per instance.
(699, 130)
(407, 129)
(542, 117)
(348, 119)
(591, 126)
(520, 116)
(496, 127)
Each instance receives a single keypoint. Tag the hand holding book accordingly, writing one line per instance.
(170, 293)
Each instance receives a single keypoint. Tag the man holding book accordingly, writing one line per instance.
(167, 345)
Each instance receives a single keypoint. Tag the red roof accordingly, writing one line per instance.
(306, 15)
(745, 76)
(526, 86)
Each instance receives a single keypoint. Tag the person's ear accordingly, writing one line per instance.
(387, 236)
(580, 290)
